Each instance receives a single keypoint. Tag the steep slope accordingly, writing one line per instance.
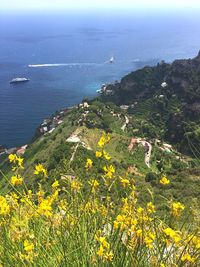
(162, 104)
(168, 96)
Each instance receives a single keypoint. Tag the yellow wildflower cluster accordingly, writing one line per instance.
(106, 155)
(105, 138)
(4, 206)
(174, 235)
(187, 258)
(16, 180)
(164, 181)
(124, 181)
(39, 168)
(109, 171)
(149, 239)
(94, 207)
(45, 208)
(194, 241)
(56, 222)
(135, 222)
(98, 154)
(94, 184)
(102, 153)
(150, 207)
(29, 254)
(28, 246)
(89, 164)
(55, 184)
(104, 251)
(45, 205)
(76, 186)
(18, 161)
(177, 208)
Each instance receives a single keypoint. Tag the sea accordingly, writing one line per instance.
(71, 51)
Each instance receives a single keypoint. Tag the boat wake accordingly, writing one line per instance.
(63, 64)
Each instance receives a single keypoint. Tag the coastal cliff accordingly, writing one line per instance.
(173, 91)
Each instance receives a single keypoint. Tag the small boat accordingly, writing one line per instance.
(19, 80)
(111, 60)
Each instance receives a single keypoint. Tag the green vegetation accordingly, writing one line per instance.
(158, 116)
(99, 218)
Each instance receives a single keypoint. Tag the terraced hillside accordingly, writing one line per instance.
(64, 151)
(168, 96)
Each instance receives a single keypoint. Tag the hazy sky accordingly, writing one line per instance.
(73, 4)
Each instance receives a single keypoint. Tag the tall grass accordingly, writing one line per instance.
(91, 221)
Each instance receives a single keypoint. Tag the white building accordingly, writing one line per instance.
(164, 84)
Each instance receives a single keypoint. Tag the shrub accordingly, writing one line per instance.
(151, 176)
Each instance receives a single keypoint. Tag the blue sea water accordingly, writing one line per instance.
(84, 42)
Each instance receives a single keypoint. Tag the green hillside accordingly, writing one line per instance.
(152, 121)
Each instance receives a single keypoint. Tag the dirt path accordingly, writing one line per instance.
(78, 140)
(73, 154)
(125, 124)
(148, 153)
(147, 146)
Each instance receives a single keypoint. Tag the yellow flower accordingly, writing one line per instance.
(12, 158)
(105, 138)
(28, 246)
(140, 210)
(139, 233)
(100, 251)
(15, 159)
(149, 240)
(55, 184)
(45, 208)
(172, 234)
(94, 183)
(109, 256)
(124, 182)
(40, 169)
(16, 180)
(76, 186)
(103, 241)
(104, 249)
(120, 221)
(195, 240)
(101, 143)
(187, 257)
(106, 156)
(150, 207)
(88, 164)
(4, 207)
(109, 171)
(98, 154)
(164, 180)
(20, 162)
(177, 208)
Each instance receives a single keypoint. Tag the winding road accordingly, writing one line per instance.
(147, 146)
(125, 124)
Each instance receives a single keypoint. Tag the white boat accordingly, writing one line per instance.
(19, 80)
(111, 60)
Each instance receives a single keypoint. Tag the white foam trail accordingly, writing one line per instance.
(62, 64)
